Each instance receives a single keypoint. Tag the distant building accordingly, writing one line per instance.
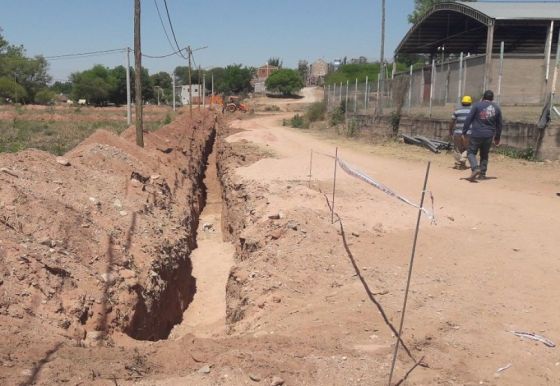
(185, 94)
(319, 69)
(263, 72)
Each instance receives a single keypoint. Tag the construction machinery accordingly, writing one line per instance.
(233, 104)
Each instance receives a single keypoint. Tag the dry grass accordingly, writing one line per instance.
(57, 129)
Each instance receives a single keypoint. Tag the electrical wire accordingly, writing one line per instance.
(92, 53)
(163, 26)
(172, 30)
(161, 56)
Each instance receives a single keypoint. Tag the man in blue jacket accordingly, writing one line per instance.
(485, 123)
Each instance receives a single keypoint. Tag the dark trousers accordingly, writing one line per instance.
(482, 144)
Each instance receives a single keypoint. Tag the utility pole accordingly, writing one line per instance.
(128, 104)
(204, 91)
(199, 85)
(189, 53)
(382, 59)
(173, 80)
(138, 75)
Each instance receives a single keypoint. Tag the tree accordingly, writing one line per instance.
(62, 87)
(162, 80)
(421, 7)
(237, 79)
(11, 90)
(94, 85)
(30, 73)
(303, 69)
(276, 62)
(285, 81)
(45, 96)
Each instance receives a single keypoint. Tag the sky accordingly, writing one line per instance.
(245, 32)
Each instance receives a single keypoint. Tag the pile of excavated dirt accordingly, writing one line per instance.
(98, 241)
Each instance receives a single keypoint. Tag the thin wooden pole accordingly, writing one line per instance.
(334, 184)
(310, 167)
(399, 337)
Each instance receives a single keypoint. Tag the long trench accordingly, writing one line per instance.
(211, 262)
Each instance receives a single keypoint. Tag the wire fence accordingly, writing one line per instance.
(522, 85)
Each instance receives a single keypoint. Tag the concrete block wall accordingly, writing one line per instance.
(515, 134)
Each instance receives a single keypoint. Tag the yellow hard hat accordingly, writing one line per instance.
(467, 100)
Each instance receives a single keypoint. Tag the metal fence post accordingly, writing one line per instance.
(432, 83)
(410, 90)
(346, 103)
(356, 97)
(460, 85)
(501, 72)
(366, 94)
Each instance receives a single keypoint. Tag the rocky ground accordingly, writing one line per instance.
(209, 257)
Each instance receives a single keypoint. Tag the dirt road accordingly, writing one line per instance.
(487, 268)
(273, 292)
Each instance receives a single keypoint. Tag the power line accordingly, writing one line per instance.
(163, 25)
(161, 56)
(92, 53)
(172, 30)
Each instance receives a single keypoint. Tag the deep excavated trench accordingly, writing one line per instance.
(195, 270)
(170, 286)
(211, 261)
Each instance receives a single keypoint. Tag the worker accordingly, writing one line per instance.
(460, 143)
(485, 123)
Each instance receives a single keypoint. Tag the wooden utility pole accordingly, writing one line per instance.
(199, 88)
(138, 76)
(128, 112)
(189, 53)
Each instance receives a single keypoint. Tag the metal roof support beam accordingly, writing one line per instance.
(488, 65)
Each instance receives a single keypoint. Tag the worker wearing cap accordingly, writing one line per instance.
(456, 132)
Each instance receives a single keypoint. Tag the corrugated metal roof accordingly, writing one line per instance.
(517, 11)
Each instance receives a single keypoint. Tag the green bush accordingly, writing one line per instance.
(351, 128)
(297, 121)
(316, 112)
(167, 119)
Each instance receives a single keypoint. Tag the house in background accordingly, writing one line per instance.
(261, 75)
(185, 94)
(318, 72)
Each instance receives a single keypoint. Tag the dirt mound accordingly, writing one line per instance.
(98, 240)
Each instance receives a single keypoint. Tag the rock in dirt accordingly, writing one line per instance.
(254, 377)
(277, 381)
(62, 161)
(108, 278)
(204, 369)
